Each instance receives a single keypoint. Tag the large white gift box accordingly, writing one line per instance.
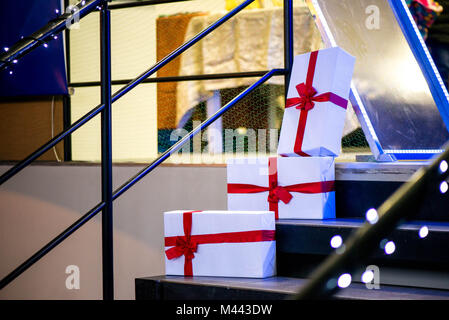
(220, 243)
(315, 107)
(292, 187)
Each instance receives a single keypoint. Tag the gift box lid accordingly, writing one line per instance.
(218, 221)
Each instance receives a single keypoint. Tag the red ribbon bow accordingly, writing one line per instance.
(187, 245)
(184, 246)
(278, 193)
(306, 101)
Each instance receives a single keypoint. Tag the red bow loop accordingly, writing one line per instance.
(272, 197)
(277, 193)
(306, 94)
(184, 246)
(306, 98)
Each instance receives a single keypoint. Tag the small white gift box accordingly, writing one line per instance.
(220, 243)
(315, 107)
(292, 187)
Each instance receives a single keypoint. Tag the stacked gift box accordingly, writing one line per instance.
(297, 184)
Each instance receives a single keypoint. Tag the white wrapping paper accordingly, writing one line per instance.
(325, 122)
(290, 171)
(245, 259)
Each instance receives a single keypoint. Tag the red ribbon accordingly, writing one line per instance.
(278, 193)
(186, 245)
(306, 101)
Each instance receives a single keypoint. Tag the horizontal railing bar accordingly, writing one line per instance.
(191, 134)
(121, 92)
(44, 34)
(132, 4)
(398, 207)
(49, 246)
(214, 76)
(180, 49)
(119, 191)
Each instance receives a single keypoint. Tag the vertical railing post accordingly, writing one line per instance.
(67, 121)
(288, 41)
(106, 154)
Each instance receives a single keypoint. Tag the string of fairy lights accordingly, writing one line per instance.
(70, 11)
(44, 44)
(388, 246)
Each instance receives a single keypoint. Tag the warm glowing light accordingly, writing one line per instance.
(46, 45)
(406, 69)
(344, 280)
(242, 130)
(6, 48)
(336, 241)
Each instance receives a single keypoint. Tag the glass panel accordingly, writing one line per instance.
(133, 125)
(251, 127)
(390, 83)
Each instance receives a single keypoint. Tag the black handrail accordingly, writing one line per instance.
(132, 4)
(192, 133)
(399, 206)
(106, 155)
(105, 109)
(323, 281)
(197, 77)
(124, 187)
(121, 92)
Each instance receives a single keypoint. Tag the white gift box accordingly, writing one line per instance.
(228, 243)
(318, 131)
(308, 180)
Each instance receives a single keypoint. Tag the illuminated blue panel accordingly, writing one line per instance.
(397, 93)
(41, 72)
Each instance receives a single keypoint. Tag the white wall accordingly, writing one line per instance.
(43, 200)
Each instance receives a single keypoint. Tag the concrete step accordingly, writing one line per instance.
(273, 288)
(360, 186)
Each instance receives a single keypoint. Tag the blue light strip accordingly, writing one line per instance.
(415, 154)
(423, 57)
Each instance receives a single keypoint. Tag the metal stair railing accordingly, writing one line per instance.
(323, 282)
(108, 196)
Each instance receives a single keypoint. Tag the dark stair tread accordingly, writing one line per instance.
(221, 288)
(354, 223)
(313, 237)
